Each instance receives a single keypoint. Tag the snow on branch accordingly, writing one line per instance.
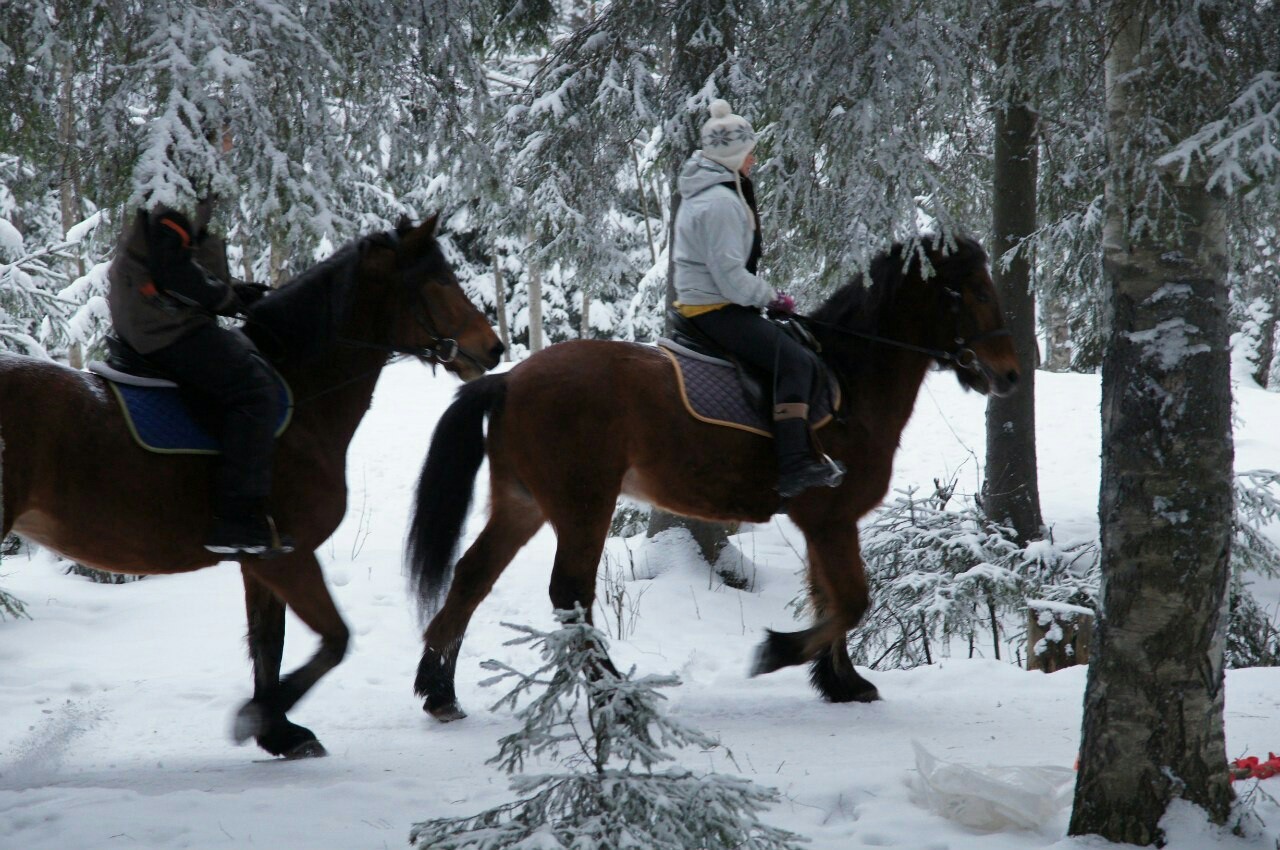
(1241, 146)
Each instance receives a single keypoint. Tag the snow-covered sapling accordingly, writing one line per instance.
(606, 733)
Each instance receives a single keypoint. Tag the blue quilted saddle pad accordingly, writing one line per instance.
(161, 421)
(712, 393)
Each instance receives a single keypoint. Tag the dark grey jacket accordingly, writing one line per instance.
(149, 316)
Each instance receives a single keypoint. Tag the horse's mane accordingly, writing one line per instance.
(300, 320)
(859, 305)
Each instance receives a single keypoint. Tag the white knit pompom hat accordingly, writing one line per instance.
(727, 138)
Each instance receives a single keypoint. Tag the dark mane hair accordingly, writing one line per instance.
(300, 320)
(858, 305)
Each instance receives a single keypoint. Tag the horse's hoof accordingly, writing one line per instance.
(312, 749)
(764, 661)
(772, 654)
(865, 695)
(248, 723)
(446, 713)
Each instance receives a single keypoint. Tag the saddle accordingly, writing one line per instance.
(720, 389)
(159, 415)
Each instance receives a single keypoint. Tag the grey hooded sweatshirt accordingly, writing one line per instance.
(714, 229)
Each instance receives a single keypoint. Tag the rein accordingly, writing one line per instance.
(962, 355)
(443, 350)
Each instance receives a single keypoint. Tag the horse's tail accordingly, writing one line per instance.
(446, 485)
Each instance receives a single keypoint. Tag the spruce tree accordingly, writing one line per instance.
(609, 737)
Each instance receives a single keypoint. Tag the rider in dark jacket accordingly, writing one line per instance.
(169, 282)
(716, 247)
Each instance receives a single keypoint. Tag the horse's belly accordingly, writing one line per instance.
(720, 503)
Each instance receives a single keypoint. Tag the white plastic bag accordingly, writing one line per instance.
(992, 799)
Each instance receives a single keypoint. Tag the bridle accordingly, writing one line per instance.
(962, 355)
(444, 348)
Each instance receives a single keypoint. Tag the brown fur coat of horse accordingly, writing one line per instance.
(75, 481)
(578, 424)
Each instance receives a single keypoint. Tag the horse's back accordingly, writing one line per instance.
(75, 481)
(612, 412)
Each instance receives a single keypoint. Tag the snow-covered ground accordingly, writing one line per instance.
(116, 701)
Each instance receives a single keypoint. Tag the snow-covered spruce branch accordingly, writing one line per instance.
(1239, 147)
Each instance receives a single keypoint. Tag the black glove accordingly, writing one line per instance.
(250, 293)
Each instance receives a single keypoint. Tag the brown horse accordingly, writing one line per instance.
(577, 424)
(75, 481)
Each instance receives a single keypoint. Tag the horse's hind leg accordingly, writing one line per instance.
(265, 613)
(838, 583)
(294, 580)
(514, 518)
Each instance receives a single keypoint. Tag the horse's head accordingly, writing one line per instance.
(428, 314)
(970, 325)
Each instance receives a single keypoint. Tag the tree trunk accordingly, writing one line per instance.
(1011, 490)
(1264, 286)
(500, 307)
(535, 308)
(1153, 701)
(694, 62)
(1057, 326)
(584, 326)
(69, 187)
(711, 537)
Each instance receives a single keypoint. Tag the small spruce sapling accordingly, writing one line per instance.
(606, 731)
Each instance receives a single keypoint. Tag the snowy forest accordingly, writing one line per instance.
(1119, 160)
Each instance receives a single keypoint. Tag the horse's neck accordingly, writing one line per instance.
(887, 381)
(334, 392)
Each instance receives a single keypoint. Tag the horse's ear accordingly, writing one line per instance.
(403, 225)
(432, 225)
(418, 239)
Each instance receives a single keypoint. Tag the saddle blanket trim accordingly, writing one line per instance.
(684, 395)
(137, 437)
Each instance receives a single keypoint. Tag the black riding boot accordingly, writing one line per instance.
(798, 468)
(246, 530)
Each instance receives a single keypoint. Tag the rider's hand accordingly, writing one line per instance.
(248, 293)
(782, 304)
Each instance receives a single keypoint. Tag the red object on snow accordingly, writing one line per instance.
(1253, 768)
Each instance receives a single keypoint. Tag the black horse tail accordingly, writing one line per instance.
(446, 485)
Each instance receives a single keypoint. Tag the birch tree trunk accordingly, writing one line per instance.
(535, 307)
(1011, 489)
(1153, 701)
(1057, 344)
(500, 307)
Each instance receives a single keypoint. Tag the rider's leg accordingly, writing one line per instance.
(761, 343)
(224, 367)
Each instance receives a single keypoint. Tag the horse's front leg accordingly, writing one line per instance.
(268, 585)
(838, 583)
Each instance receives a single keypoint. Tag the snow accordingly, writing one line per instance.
(78, 232)
(117, 700)
(11, 246)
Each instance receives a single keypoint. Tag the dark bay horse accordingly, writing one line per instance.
(75, 481)
(581, 422)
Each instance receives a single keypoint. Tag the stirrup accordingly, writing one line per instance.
(826, 472)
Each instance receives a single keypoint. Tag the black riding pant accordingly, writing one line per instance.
(759, 342)
(223, 368)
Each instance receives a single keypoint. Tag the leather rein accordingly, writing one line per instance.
(963, 355)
